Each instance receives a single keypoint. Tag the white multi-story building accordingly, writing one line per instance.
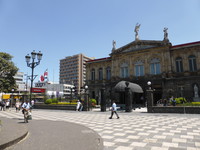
(21, 85)
(54, 89)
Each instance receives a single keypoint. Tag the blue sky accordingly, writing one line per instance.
(60, 28)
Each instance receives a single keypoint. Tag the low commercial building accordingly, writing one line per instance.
(51, 89)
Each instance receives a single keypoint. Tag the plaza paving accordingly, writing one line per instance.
(137, 130)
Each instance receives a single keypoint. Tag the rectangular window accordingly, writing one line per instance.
(100, 74)
(139, 70)
(108, 74)
(192, 65)
(93, 75)
(124, 72)
(155, 68)
(179, 66)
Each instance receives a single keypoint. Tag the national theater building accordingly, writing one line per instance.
(174, 70)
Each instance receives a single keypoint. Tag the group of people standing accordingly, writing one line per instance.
(5, 105)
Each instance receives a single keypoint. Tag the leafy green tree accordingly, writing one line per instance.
(7, 72)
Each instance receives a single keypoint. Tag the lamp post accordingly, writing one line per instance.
(149, 97)
(86, 88)
(72, 92)
(103, 100)
(12, 99)
(86, 98)
(32, 65)
(149, 84)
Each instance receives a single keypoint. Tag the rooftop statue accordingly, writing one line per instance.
(165, 34)
(114, 45)
(137, 27)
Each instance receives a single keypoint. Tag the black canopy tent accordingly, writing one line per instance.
(133, 98)
(120, 87)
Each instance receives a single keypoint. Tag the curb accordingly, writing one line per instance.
(10, 143)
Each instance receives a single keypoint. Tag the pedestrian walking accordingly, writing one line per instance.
(7, 104)
(2, 104)
(17, 106)
(32, 103)
(78, 105)
(81, 105)
(114, 110)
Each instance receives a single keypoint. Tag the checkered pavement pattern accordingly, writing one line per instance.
(133, 131)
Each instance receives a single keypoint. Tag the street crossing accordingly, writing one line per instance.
(137, 130)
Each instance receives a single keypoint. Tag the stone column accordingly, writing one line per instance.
(103, 100)
(128, 98)
(85, 103)
(149, 100)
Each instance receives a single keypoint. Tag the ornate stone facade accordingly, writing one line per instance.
(172, 70)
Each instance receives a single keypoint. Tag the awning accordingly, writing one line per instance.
(120, 87)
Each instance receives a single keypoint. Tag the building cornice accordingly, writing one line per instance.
(185, 45)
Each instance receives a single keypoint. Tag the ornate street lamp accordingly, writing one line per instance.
(86, 98)
(149, 84)
(103, 99)
(32, 65)
(149, 97)
(72, 92)
(12, 99)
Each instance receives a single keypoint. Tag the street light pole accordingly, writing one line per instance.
(32, 65)
(149, 97)
(12, 99)
(86, 98)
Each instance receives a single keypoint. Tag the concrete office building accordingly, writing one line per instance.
(19, 78)
(73, 70)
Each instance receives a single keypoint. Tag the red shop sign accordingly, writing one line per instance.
(38, 90)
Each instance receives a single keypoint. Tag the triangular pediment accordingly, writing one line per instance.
(140, 45)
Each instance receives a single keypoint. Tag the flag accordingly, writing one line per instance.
(42, 78)
(46, 74)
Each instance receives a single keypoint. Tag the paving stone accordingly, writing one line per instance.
(135, 130)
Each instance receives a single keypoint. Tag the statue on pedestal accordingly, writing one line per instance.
(137, 27)
(165, 34)
(114, 45)
(196, 91)
(196, 97)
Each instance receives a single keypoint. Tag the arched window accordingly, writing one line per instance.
(139, 68)
(179, 64)
(100, 74)
(93, 74)
(192, 63)
(108, 73)
(124, 70)
(155, 66)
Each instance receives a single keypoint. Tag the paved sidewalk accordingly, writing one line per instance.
(137, 130)
(47, 135)
(11, 132)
